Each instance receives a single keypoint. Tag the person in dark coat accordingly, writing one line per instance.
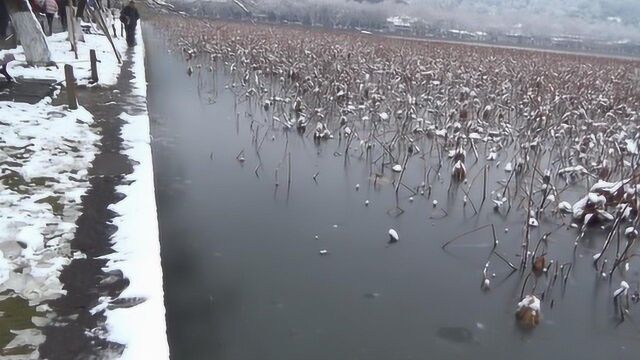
(62, 13)
(129, 17)
(50, 8)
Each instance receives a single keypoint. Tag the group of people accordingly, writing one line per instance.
(50, 8)
(129, 15)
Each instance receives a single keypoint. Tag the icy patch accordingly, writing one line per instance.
(141, 328)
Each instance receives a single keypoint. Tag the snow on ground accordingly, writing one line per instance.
(61, 54)
(142, 327)
(45, 152)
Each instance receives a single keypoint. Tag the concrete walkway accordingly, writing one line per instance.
(86, 320)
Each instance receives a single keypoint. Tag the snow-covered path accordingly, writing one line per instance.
(140, 328)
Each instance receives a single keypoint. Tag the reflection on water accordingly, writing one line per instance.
(245, 272)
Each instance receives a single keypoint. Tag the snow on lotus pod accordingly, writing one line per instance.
(528, 312)
(498, 203)
(393, 236)
(588, 205)
(603, 215)
(321, 131)
(597, 200)
(622, 290)
(440, 133)
(573, 170)
(612, 191)
(565, 207)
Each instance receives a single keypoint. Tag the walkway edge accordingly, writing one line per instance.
(141, 328)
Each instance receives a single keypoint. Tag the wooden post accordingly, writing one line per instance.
(72, 100)
(94, 66)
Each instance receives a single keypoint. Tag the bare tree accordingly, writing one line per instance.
(29, 32)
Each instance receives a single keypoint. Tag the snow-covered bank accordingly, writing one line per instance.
(140, 328)
(61, 54)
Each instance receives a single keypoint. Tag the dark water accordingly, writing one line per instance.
(243, 274)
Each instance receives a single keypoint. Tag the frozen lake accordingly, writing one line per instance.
(243, 273)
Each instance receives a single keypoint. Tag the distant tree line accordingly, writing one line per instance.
(349, 15)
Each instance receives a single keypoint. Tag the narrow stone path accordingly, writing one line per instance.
(78, 333)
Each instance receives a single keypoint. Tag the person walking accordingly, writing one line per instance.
(129, 17)
(62, 13)
(50, 8)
